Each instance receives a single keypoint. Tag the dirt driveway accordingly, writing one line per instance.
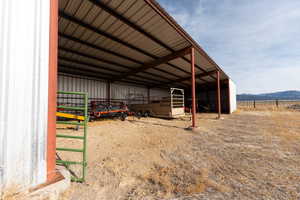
(246, 155)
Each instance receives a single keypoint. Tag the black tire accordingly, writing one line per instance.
(138, 115)
(123, 116)
(147, 114)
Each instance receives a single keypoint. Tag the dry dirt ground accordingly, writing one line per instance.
(246, 155)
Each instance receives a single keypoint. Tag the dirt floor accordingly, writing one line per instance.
(246, 155)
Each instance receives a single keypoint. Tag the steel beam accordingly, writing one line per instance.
(193, 92)
(185, 59)
(82, 42)
(155, 63)
(87, 64)
(119, 55)
(93, 57)
(187, 78)
(97, 67)
(218, 95)
(107, 76)
(66, 69)
(52, 89)
(135, 27)
(112, 63)
(111, 37)
(112, 12)
(101, 60)
(89, 69)
(100, 32)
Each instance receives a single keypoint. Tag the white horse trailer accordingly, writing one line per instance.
(167, 107)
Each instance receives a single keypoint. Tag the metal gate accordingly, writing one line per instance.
(177, 98)
(74, 107)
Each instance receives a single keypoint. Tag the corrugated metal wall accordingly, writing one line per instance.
(131, 94)
(120, 91)
(94, 88)
(24, 51)
(98, 89)
(157, 93)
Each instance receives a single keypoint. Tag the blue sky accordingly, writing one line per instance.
(256, 42)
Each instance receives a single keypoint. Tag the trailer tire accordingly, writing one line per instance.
(147, 114)
(138, 114)
(123, 116)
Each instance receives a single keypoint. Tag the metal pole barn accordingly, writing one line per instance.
(193, 87)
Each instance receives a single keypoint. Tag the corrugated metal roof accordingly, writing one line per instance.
(124, 35)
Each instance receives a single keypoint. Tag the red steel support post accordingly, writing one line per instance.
(51, 135)
(193, 87)
(218, 95)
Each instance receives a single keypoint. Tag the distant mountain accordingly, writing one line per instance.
(284, 95)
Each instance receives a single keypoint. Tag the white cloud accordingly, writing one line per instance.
(257, 42)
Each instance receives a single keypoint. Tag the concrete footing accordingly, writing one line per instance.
(51, 191)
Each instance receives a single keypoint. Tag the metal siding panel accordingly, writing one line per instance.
(122, 91)
(232, 98)
(158, 93)
(24, 51)
(94, 88)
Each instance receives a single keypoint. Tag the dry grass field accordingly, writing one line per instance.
(246, 155)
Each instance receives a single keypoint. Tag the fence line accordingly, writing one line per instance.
(292, 104)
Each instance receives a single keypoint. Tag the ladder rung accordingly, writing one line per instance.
(71, 108)
(79, 180)
(70, 123)
(68, 149)
(70, 136)
(66, 162)
(74, 93)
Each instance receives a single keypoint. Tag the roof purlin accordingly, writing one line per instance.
(139, 29)
(113, 38)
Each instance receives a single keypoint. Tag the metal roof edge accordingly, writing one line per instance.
(164, 14)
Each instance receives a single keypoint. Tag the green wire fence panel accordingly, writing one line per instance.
(65, 112)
